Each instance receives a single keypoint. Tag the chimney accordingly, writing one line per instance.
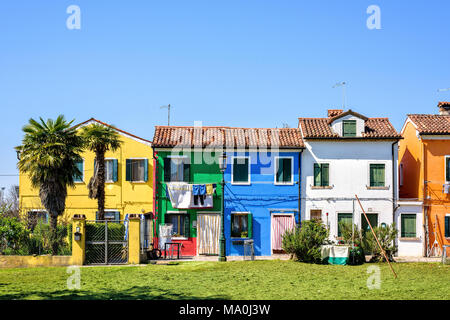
(334, 112)
(444, 108)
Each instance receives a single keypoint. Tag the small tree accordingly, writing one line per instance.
(305, 242)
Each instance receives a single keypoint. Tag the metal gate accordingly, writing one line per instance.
(106, 242)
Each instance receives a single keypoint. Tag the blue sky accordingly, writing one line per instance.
(247, 63)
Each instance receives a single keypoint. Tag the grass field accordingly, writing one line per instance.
(230, 280)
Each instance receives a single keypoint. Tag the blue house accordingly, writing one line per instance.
(262, 188)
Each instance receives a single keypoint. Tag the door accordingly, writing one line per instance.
(280, 224)
(373, 218)
(208, 231)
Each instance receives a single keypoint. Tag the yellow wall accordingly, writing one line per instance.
(124, 196)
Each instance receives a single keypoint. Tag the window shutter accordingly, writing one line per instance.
(128, 170)
(280, 163)
(447, 169)
(447, 227)
(167, 169)
(349, 128)
(115, 170)
(186, 172)
(96, 215)
(145, 170)
(287, 169)
(117, 216)
(408, 225)
(186, 226)
(250, 225)
(325, 173)
(317, 175)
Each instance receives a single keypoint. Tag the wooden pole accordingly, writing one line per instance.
(373, 232)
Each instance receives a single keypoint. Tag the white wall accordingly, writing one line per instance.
(410, 247)
(348, 175)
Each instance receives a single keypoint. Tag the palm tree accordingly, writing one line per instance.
(48, 154)
(99, 139)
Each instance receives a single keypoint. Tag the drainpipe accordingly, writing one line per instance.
(425, 202)
(299, 186)
(155, 206)
(394, 186)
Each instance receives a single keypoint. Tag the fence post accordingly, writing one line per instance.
(78, 239)
(134, 239)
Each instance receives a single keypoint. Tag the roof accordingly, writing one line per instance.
(188, 136)
(431, 123)
(130, 135)
(374, 128)
(343, 114)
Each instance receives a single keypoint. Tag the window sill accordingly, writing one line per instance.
(408, 239)
(284, 183)
(377, 188)
(180, 238)
(138, 181)
(321, 187)
(241, 183)
(78, 182)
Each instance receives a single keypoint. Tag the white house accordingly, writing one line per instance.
(348, 154)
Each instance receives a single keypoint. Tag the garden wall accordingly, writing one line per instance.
(34, 261)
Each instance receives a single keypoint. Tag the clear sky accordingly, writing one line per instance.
(246, 63)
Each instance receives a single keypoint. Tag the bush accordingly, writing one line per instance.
(305, 242)
(39, 241)
(13, 236)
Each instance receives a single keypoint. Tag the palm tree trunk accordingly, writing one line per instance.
(53, 234)
(101, 185)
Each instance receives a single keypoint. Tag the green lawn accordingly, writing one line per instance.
(230, 280)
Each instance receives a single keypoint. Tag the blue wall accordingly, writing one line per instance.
(258, 198)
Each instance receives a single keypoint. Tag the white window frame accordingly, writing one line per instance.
(445, 168)
(82, 175)
(231, 225)
(385, 173)
(329, 175)
(249, 171)
(179, 157)
(172, 212)
(109, 159)
(276, 170)
(337, 221)
(401, 225)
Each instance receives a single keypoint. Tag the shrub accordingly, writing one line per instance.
(13, 236)
(40, 240)
(305, 242)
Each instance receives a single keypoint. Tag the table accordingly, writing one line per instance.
(171, 245)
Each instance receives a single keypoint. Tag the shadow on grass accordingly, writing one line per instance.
(133, 293)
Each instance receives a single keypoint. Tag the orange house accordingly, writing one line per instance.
(424, 157)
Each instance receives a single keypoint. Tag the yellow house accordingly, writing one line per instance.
(128, 189)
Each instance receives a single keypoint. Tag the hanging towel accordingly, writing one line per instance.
(202, 189)
(196, 189)
(180, 194)
(209, 189)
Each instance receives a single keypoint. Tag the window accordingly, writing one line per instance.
(447, 226)
(180, 224)
(241, 225)
(316, 215)
(321, 174)
(283, 169)
(408, 226)
(377, 175)
(344, 218)
(447, 168)
(176, 169)
(111, 170)
(80, 166)
(36, 216)
(241, 170)
(110, 215)
(137, 170)
(349, 128)
(373, 219)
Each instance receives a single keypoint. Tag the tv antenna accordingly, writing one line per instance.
(168, 113)
(446, 89)
(342, 84)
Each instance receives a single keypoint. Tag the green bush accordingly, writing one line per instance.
(305, 242)
(39, 241)
(13, 236)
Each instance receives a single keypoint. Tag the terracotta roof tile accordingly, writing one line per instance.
(375, 128)
(171, 136)
(431, 123)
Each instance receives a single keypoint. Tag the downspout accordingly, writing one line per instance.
(299, 186)
(394, 185)
(425, 202)
(155, 206)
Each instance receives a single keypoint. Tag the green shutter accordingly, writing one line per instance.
(76, 177)
(187, 226)
(96, 215)
(408, 225)
(325, 173)
(349, 128)
(186, 172)
(128, 169)
(250, 225)
(377, 174)
(317, 175)
(167, 169)
(115, 169)
(447, 226)
(145, 170)
(117, 216)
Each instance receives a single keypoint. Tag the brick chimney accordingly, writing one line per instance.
(334, 112)
(444, 108)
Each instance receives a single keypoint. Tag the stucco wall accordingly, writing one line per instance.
(410, 247)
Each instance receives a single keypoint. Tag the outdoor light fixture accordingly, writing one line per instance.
(77, 235)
